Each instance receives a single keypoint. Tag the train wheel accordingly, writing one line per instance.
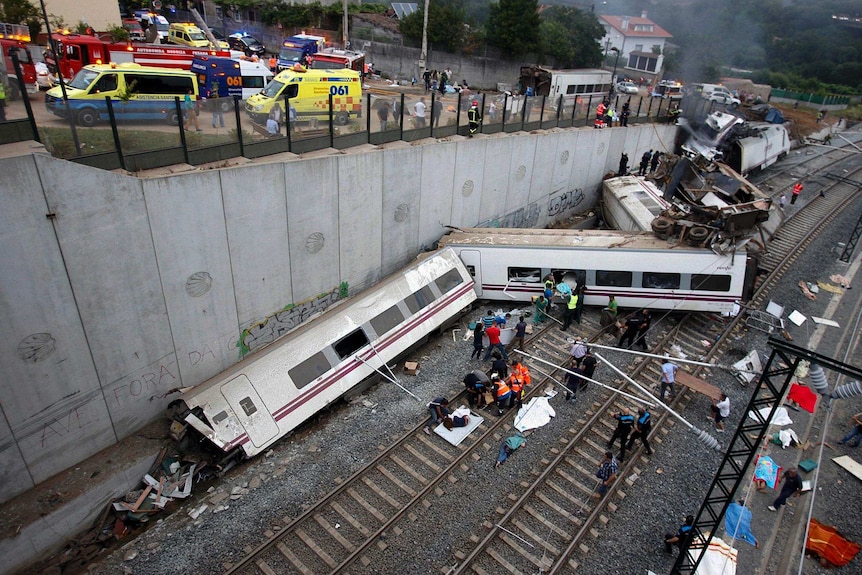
(698, 234)
(662, 226)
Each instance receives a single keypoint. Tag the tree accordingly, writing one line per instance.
(513, 26)
(571, 36)
(445, 25)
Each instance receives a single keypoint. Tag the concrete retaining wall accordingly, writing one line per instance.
(116, 291)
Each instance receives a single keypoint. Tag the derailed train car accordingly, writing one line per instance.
(245, 409)
(638, 269)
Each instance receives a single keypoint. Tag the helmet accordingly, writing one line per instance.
(475, 102)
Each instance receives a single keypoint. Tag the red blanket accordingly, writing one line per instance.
(825, 542)
(803, 395)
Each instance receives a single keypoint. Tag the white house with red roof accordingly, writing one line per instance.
(640, 42)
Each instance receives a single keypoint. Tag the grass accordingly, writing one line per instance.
(60, 144)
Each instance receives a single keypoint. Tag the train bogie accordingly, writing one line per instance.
(266, 395)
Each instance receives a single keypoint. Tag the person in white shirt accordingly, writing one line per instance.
(720, 411)
(419, 111)
(668, 377)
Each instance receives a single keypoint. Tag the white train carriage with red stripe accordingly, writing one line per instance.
(639, 269)
(245, 409)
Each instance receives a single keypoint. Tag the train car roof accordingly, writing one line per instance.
(598, 239)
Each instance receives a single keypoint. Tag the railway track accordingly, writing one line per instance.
(541, 525)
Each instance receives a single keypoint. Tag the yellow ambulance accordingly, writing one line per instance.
(308, 92)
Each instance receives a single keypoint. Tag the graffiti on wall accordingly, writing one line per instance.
(281, 322)
(526, 217)
(559, 203)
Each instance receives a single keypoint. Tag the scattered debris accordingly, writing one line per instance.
(803, 285)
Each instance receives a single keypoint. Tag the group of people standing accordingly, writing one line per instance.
(434, 80)
(606, 114)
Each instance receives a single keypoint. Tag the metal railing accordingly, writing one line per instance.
(220, 129)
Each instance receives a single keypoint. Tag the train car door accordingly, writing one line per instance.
(250, 410)
(473, 261)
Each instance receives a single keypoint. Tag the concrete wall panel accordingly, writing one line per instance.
(361, 221)
(400, 195)
(14, 477)
(495, 179)
(436, 184)
(103, 226)
(468, 182)
(255, 207)
(523, 163)
(541, 173)
(189, 233)
(312, 217)
(49, 390)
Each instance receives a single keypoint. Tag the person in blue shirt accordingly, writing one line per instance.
(625, 421)
(683, 536)
(643, 424)
(489, 319)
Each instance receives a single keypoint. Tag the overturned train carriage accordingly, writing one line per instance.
(638, 269)
(246, 408)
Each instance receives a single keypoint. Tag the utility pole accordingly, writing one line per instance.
(424, 55)
(344, 42)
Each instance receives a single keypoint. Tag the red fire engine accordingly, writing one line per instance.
(79, 50)
(13, 39)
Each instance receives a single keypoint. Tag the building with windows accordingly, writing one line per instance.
(640, 41)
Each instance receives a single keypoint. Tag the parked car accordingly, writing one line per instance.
(249, 45)
(627, 88)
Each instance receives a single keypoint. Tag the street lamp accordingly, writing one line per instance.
(616, 61)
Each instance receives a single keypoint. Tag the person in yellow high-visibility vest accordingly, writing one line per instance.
(2, 102)
(569, 314)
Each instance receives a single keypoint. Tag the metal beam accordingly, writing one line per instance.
(774, 383)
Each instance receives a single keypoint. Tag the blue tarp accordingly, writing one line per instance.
(737, 523)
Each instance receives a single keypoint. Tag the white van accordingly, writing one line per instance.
(717, 93)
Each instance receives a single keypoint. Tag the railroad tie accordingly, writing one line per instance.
(334, 533)
(294, 560)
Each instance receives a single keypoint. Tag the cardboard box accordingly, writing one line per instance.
(411, 367)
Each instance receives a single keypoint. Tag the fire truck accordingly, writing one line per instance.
(13, 39)
(334, 59)
(77, 50)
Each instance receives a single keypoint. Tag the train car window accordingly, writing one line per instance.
(661, 280)
(703, 282)
(309, 370)
(525, 275)
(219, 417)
(247, 406)
(570, 276)
(387, 320)
(419, 299)
(613, 279)
(351, 343)
(449, 281)
(472, 271)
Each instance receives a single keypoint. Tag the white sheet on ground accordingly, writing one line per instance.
(534, 414)
(785, 435)
(719, 559)
(457, 434)
(780, 417)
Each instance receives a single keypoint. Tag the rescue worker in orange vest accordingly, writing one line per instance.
(273, 63)
(502, 393)
(797, 189)
(518, 380)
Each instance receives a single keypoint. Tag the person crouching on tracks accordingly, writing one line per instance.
(683, 536)
(632, 325)
(720, 411)
(438, 408)
(625, 421)
(476, 383)
(502, 393)
(519, 380)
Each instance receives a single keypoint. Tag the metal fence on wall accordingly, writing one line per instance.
(220, 129)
